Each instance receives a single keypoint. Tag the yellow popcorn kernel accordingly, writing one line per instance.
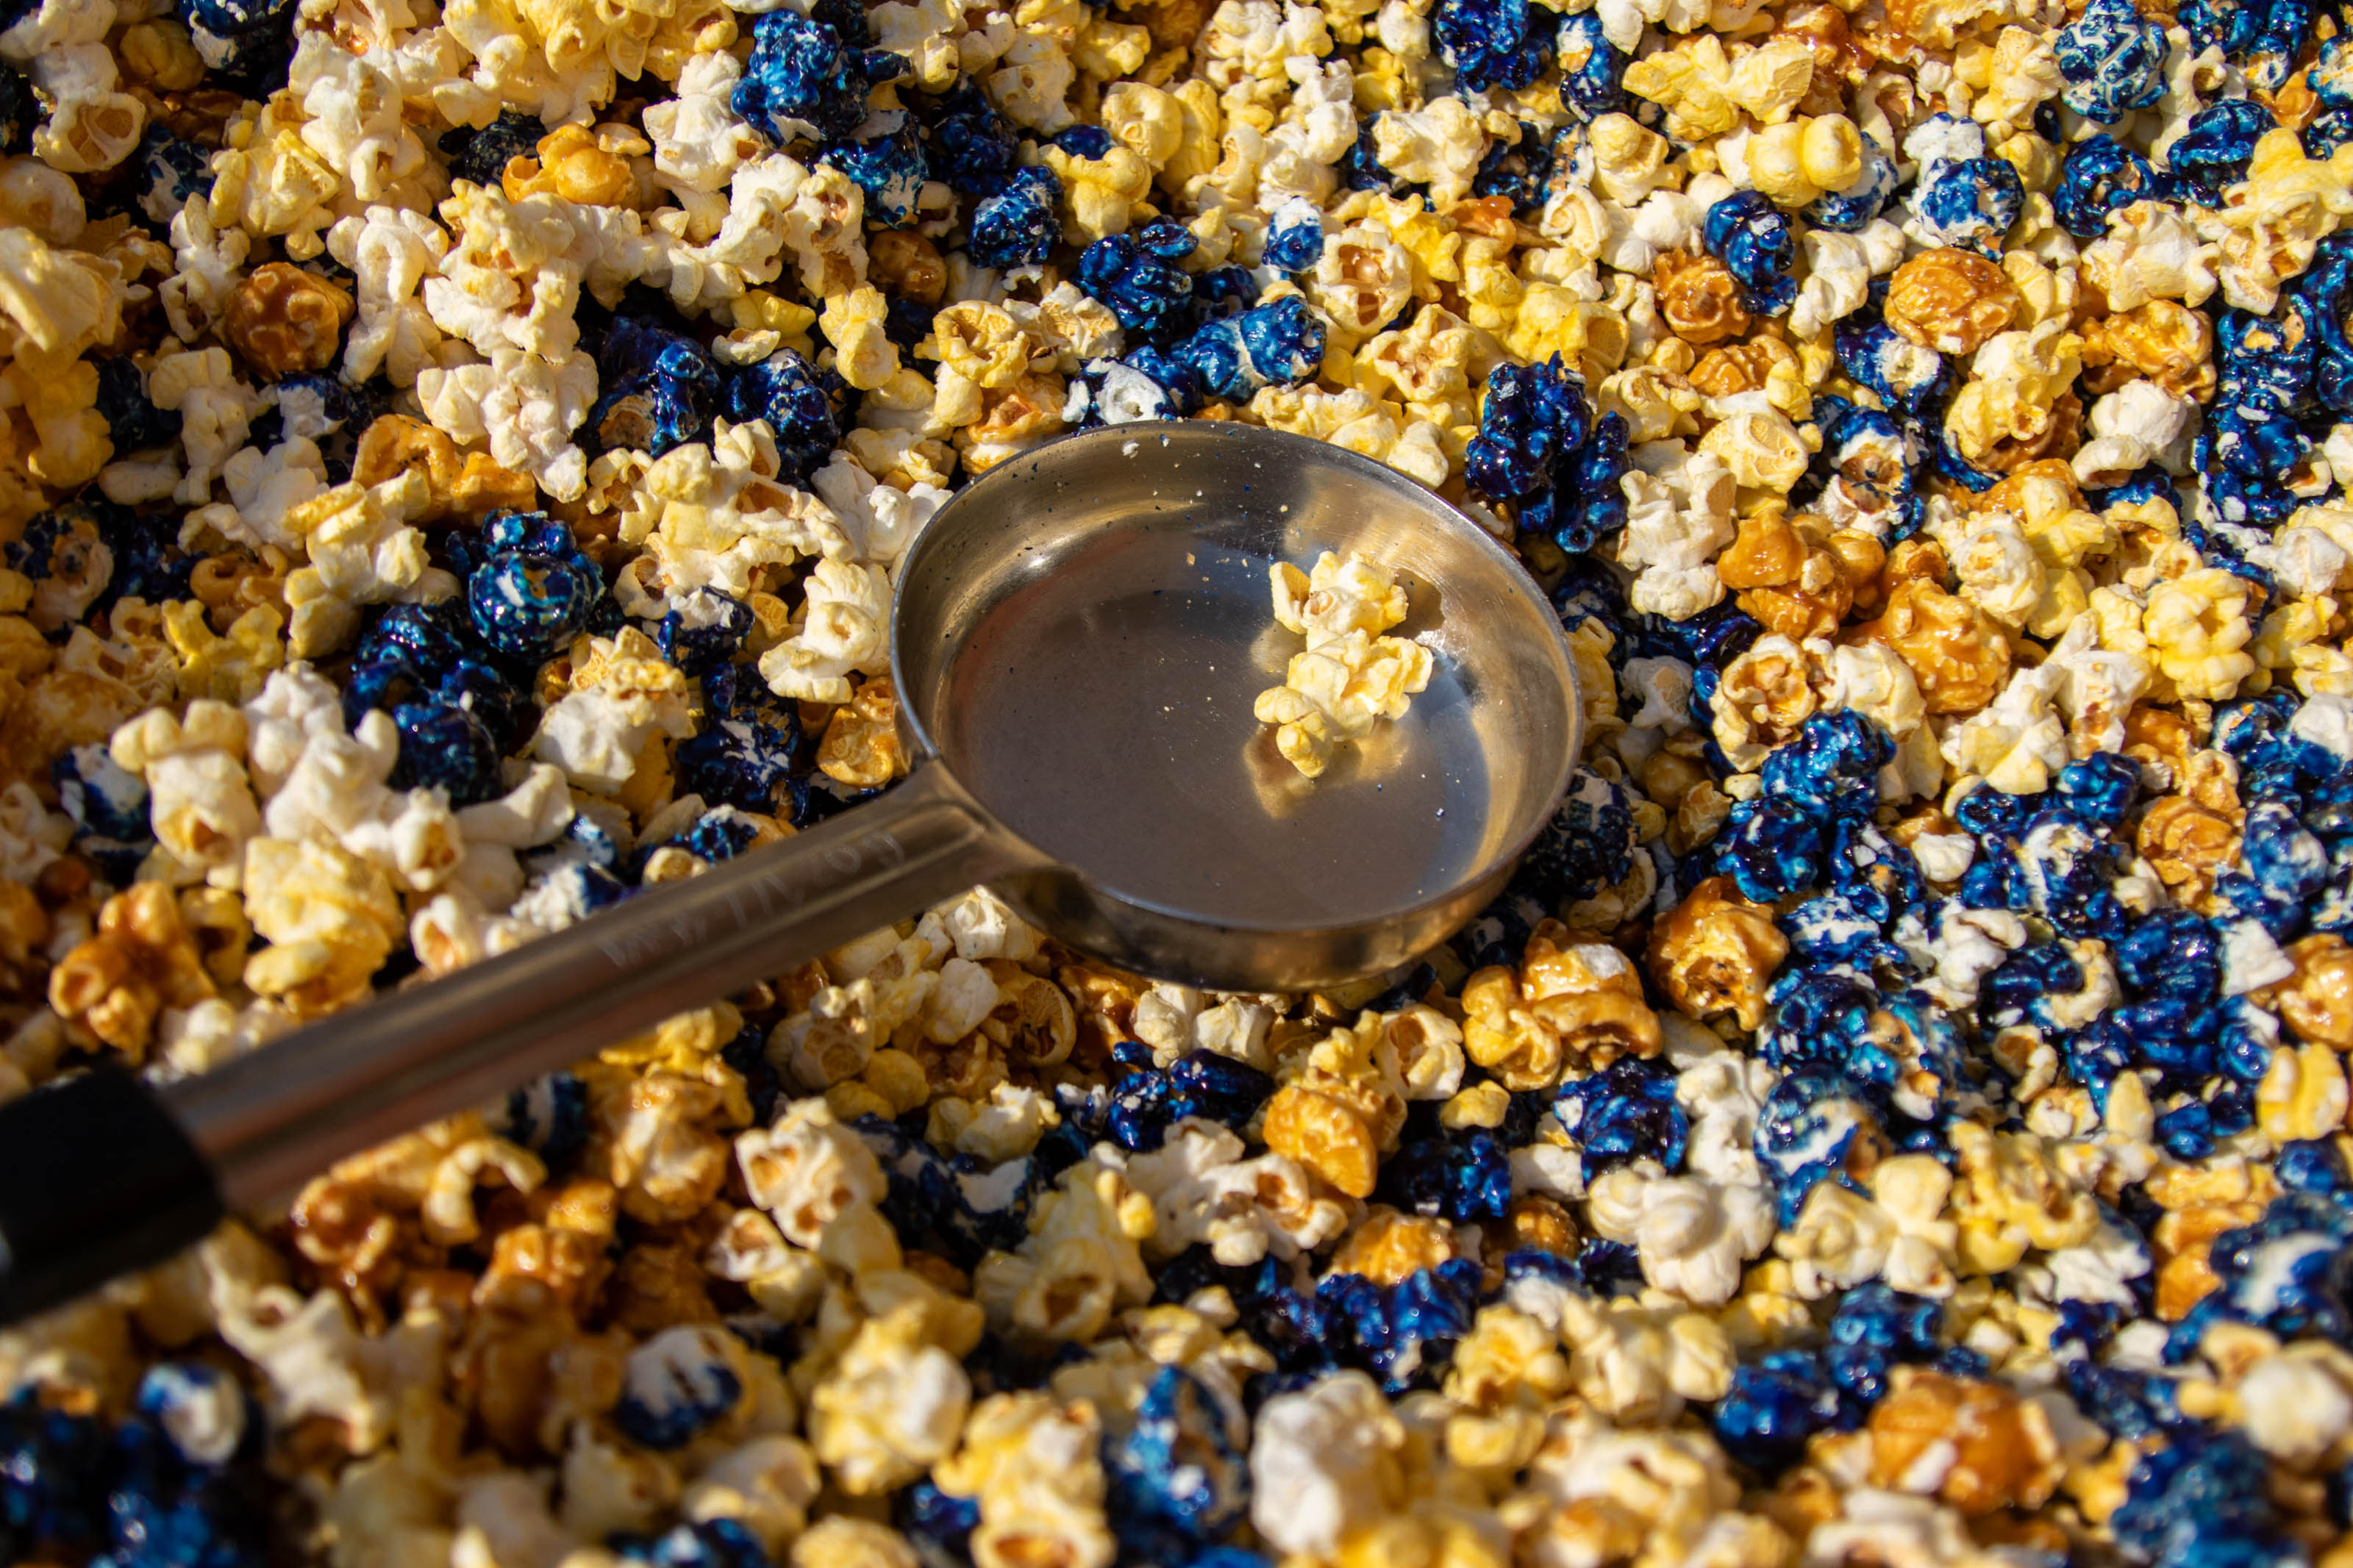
(863, 352)
(981, 343)
(1349, 676)
(2302, 1094)
(142, 960)
(2198, 630)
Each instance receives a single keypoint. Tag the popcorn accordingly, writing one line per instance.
(1350, 675)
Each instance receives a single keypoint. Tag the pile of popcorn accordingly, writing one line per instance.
(453, 463)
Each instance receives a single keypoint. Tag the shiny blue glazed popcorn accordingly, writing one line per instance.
(1521, 170)
(52, 1476)
(741, 758)
(1592, 71)
(1587, 504)
(171, 172)
(1491, 43)
(659, 388)
(1754, 240)
(245, 43)
(976, 149)
(2264, 37)
(1832, 767)
(804, 80)
(709, 1543)
(1775, 1404)
(1112, 391)
(2101, 787)
(2214, 152)
(529, 588)
(2203, 1500)
(1088, 142)
(678, 1383)
(786, 391)
(936, 1523)
(1295, 235)
(2112, 60)
(1531, 418)
(1016, 226)
(705, 630)
(1590, 844)
(2326, 291)
(2060, 868)
(2100, 177)
(1405, 1332)
(2290, 1274)
(1137, 275)
(126, 554)
(1771, 847)
(1461, 1176)
(480, 156)
(1814, 1121)
(1969, 202)
(1852, 210)
(1281, 344)
(890, 168)
(1624, 1112)
(1206, 1083)
(1180, 1477)
(1819, 1017)
(1909, 379)
(108, 805)
(548, 1116)
(1837, 927)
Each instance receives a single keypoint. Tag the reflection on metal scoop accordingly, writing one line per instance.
(1077, 641)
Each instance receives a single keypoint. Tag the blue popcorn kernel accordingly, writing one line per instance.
(1461, 1176)
(1267, 345)
(2290, 1273)
(1521, 170)
(712, 1543)
(784, 390)
(1709, 641)
(1532, 419)
(1969, 201)
(446, 747)
(2186, 1132)
(976, 149)
(1819, 1017)
(1361, 168)
(1836, 928)
(1909, 379)
(2202, 1502)
(1754, 240)
(1115, 392)
(1136, 274)
(1624, 1112)
(1817, 1121)
(1206, 1083)
(2100, 177)
(1016, 226)
(529, 588)
(1497, 934)
(2327, 292)
(704, 631)
(2289, 864)
(1587, 504)
(2326, 131)
(659, 386)
(108, 805)
(678, 1383)
(1588, 845)
(1178, 1472)
(2101, 787)
(742, 759)
(52, 1476)
(1404, 1333)
(2214, 150)
(245, 44)
(20, 111)
(1775, 1404)
(936, 1523)
(549, 1116)
(803, 75)
(1592, 69)
(169, 171)
(890, 168)
(482, 156)
(2113, 61)
(1852, 210)
(1490, 43)
(1219, 294)
(1295, 235)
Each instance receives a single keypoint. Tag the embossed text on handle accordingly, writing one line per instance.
(782, 892)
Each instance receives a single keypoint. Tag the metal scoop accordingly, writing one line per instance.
(1077, 641)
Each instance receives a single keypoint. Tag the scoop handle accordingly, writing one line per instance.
(103, 1173)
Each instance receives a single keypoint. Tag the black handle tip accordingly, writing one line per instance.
(96, 1180)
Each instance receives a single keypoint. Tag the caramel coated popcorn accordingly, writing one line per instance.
(455, 466)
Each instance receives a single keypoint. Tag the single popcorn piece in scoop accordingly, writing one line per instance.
(1350, 675)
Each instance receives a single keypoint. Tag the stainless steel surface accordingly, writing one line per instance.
(270, 1120)
(1082, 647)
(1077, 638)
